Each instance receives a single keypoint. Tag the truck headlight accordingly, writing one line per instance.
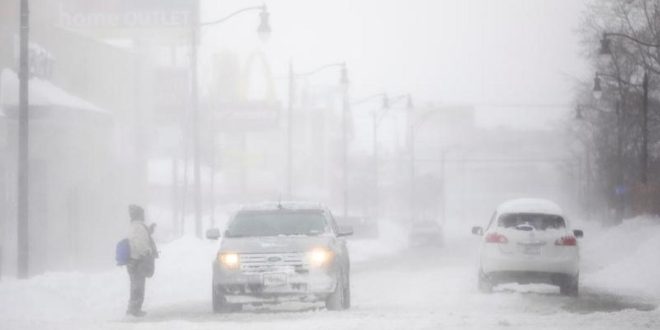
(229, 260)
(319, 257)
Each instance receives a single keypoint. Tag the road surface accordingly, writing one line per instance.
(421, 288)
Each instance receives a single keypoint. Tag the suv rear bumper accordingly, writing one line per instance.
(566, 262)
(527, 277)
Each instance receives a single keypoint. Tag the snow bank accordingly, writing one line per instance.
(624, 259)
(183, 270)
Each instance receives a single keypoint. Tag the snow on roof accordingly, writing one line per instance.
(41, 93)
(287, 205)
(530, 205)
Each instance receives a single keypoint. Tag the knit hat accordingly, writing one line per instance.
(136, 212)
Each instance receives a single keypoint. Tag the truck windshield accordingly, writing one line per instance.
(537, 221)
(277, 223)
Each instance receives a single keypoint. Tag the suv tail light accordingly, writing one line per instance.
(496, 238)
(566, 241)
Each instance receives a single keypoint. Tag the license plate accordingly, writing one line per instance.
(276, 279)
(530, 249)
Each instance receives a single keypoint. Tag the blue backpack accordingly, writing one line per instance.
(123, 252)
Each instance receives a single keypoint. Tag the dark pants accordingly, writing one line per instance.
(138, 281)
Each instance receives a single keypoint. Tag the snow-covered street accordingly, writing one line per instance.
(329, 164)
(393, 288)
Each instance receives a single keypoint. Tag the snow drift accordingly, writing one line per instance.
(624, 259)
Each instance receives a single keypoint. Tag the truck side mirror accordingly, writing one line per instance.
(345, 231)
(578, 233)
(477, 230)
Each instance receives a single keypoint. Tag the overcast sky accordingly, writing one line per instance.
(441, 51)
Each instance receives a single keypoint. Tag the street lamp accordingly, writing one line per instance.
(386, 105)
(343, 81)
(598, 89)
(264, 31)
(264, 25)
(606, 50)
(578, 113)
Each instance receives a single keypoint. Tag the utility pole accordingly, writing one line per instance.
(344, 139)
(289, 134)
(412, 170)
(212, 178)
(195, 26)
(412, 123)
(194, 109)
(375, 166)
(23, 150)
(645, 129)
(443, 170)
(289, 141)
(620, 189)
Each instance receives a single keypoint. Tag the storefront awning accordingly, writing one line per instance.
(42, 94)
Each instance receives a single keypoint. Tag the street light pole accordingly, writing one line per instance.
(344, 138)
(605, 50)
(292, 78)
(23, 146)
(194, 91)
(620, 174)
(289, 135)
(412, 172)
(375, 161)
(619, 189)
(587, 146)
(264, 32)
(645, 129)
(411, 137)
(386, 104)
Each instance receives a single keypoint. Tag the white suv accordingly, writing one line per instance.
(529, 241)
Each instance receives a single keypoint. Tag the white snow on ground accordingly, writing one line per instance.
(393, 288)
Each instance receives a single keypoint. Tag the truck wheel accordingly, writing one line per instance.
(218, 301)
(336, 300)
(347, 293)
(220, 305)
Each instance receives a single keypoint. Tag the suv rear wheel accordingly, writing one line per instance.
(484, 284)
(570, 286)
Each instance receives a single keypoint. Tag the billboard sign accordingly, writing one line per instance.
(84, 14)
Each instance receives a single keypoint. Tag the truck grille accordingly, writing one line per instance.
(271, 262)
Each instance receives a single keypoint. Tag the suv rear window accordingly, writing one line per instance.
(537, 221)
(277, 223)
